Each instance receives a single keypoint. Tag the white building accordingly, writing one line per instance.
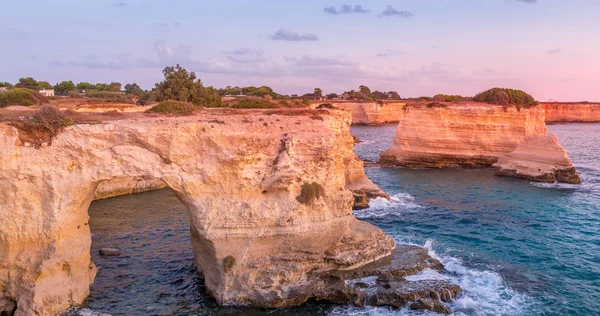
(47, 93)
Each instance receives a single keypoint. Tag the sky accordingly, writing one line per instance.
(549, 48)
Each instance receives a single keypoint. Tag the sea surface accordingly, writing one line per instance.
(515, 247)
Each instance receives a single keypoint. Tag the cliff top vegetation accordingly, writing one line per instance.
(503, 96)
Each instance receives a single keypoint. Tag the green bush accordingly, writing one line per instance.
(310, 192)
(325, 106)
(254, 104)
(498, 96)
(173, 107)
(284, 103)
(447, 98)
(21, 96)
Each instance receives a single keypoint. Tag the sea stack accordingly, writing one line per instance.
(442, 134)
(539, 158)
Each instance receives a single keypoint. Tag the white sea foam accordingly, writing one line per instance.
(556, 185)
(85, 312)
(380, 207)
(484, 292)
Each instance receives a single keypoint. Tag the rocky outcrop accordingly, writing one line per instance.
(127, 185)
(373, 113)
(539, 158)
(462, 134)
(266, 191)
(571, 112)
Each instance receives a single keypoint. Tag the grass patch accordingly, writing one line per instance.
(173, 107)
(310, 192)
(21, 96)
(254, 104)
(436, 105)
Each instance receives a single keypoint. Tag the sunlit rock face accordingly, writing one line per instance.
(463, 134)
(539, 158)
(373, 113)
(267, 194)
(572, 112)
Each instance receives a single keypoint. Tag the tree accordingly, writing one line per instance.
(378, 95)
(364, 90)
(114, 87)
(85, 86)
(64, 87)
(5, 85)
(318, 93)
(132, 88)
(394, 95)
(331, 96)
(44, 85)
(181, 85)
(27, 83)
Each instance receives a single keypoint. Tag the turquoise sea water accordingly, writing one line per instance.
(515, 247)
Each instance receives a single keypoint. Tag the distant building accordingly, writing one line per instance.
(47, 92)
(3, 89)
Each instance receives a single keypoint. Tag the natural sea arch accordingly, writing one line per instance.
(240, 179)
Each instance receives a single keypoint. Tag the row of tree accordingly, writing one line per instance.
(181, 85)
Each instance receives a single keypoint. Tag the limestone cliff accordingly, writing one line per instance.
(373, 113)
(572, 112)
(463, 134)
(267, 194)
(539, 158)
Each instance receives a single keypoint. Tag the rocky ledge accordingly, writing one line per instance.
(539, 158)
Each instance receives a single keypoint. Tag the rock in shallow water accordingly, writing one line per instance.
(110, 252)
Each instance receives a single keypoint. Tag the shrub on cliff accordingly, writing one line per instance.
(43, 125)
(254, 104)
(498, 96)
(436, 105)
(310, 192)
(22, 96)
(173, 107)
(325, 106)
(447, 98)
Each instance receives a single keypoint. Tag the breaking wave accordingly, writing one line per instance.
(380, 207)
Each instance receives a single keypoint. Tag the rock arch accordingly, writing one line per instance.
(239, 178)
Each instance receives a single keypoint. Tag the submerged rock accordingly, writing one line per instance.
(539, 158)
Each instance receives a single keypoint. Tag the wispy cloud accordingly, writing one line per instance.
(288, 35)
(120, 4)
(527, 1)
(246, 55)
(391, 12)
(346, 9)
(554, 51)
(390, 53)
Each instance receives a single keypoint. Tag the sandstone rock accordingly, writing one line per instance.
(571, 112)
(239, 181)
(539, 158)
(110, 252)
(463, 134)
(372, 113)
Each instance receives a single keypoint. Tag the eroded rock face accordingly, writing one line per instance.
(572, 112)
(127, 185)
(239, 177)
(539, 158)
(466, 134)
(373, 113)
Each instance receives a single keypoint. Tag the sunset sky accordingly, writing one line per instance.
(550, 48)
